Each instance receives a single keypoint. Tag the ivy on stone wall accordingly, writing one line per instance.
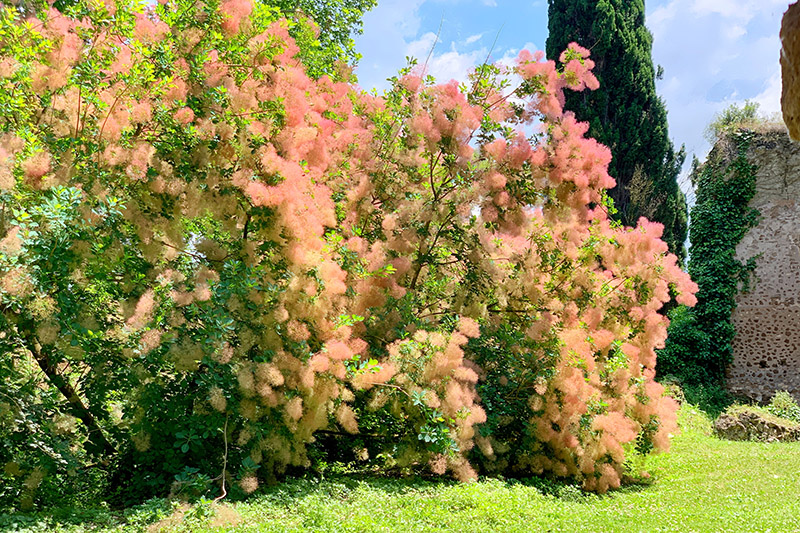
(699, 345)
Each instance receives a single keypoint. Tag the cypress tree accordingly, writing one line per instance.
(625, 114)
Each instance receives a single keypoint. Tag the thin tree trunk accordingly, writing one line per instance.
(98, 443)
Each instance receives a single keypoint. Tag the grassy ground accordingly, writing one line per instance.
(704, 484)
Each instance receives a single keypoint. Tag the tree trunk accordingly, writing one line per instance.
(98, 443)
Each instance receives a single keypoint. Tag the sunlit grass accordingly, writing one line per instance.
(704, 484)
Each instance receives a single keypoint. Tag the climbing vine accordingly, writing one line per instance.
(699, 343)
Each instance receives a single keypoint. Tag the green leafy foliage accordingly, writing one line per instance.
(731, 118)
(785, 406)
(324, 30)
(331, 40)
(699, 342)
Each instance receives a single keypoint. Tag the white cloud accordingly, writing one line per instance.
(769, 99)
(450, 65)
(735, 31)
(473, 38)
(714, 52)
(387, 31)
(741, 10)
(391, 33)
(422, 47)
(726, 8)
(658, 20)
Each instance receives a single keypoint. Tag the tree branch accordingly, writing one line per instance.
(98, 443)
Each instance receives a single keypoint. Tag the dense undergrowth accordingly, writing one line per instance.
(704, 484)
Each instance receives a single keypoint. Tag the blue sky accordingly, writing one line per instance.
(714, 52)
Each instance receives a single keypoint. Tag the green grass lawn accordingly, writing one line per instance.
(704, 484)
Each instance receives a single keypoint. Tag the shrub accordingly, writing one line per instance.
(212, 257)
(785, 406)
(730, 119)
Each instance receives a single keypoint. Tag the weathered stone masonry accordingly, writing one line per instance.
(766, 348)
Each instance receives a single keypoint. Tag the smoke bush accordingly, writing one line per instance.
(213, 257)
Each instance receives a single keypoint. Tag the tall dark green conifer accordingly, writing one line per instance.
(625, 114)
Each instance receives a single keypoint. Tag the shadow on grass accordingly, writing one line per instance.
(91, 518)
(572, 492)
(287, 494)
(50, 519)
(344, 486)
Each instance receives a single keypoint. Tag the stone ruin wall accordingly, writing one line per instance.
(766, 348)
